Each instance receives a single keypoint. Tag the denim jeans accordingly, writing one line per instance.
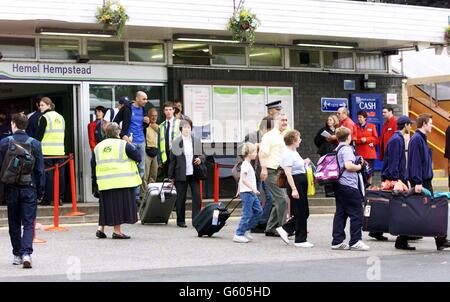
(262, 187)
(22, 207)
(141, 168)
(251, 212)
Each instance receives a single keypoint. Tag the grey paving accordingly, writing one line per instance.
(169, 253)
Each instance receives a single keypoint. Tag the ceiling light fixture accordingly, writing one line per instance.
(199, 38)
(76, 32)
(325, 44)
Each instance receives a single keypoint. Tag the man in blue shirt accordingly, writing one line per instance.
(22, 199)
(420, 167)
(134, 122)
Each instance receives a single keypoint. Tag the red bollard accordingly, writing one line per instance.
(216, 183)
(56, 226)
(35, 239)
(74, 211)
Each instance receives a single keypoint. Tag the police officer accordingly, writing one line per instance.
(22, 199)
(50, 133)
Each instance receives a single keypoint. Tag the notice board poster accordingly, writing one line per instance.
(226, 115)
(197, 106)
(253, 100)
(285, 94)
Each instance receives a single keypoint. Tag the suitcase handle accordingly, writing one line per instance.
(166, 180)
(235, 207)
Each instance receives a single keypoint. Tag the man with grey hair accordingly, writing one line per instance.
(346, 121)
(270, 153)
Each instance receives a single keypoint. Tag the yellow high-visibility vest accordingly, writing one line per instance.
(114, 169)
(162, 137)
(53, 140)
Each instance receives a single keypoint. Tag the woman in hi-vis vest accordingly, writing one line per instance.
(50, 133)
(114, 168)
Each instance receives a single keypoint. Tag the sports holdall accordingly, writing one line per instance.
(376, 211)
(418, 215)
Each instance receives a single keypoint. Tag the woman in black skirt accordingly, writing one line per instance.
(114, 168)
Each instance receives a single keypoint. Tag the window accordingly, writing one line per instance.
(265, 56)
(338, 60)
(367, 61)
(106, 50)
(58, 49)
(191, 54)
(146, 52)
(18, 48)
(304, 58)
(228, 55)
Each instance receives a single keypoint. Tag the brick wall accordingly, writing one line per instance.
(309, 87)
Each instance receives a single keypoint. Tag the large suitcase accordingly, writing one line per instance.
(418, 215)
(158, 203)
(376, 211)
(212, 218)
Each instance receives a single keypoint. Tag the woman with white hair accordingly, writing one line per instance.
(114, 168)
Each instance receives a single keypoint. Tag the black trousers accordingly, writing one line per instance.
(48, 197)
(181, 187)
(299, 209)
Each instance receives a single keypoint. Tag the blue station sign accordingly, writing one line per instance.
(333, 104)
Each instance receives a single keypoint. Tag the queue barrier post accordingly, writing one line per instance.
(74, 211)
(201, 194)
(56, 226)
(216, 183)
(35, 239)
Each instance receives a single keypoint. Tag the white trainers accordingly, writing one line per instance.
(240, 239)
(305, 244)
(340, 246)
(360, 246)
(17, 260)
(283, 234)
(248, 236)
(26, 261)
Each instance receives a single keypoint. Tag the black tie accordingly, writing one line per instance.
(167, 137)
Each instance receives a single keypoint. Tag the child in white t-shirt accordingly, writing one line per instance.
(251, 205)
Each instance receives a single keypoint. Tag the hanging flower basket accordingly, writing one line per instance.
(112, 15)
(243, 25)
(447, 34)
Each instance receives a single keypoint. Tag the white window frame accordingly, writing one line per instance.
(288, 54)
(385, 70)
(338, 69)
(165, 46)
(58, 38)
(36, 48)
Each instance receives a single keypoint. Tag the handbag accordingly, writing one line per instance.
(310, 176)
(282, 181)
(152, 152)
(200, 171)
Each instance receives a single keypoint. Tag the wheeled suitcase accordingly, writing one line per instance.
(376, 211)
(212, 218)
(418, 215)
(158, 203)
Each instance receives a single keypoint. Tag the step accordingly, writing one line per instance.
(439, 173)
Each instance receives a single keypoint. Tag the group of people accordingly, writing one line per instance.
(129, 149)
(129, 157)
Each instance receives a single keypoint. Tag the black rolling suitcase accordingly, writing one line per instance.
(418, 215)
(158, 203)
(212, 218)
(376, 211)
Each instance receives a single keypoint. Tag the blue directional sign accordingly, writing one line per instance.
(333, 104)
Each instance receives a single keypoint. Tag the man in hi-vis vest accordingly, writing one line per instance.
(50, 133)
(168, 131)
